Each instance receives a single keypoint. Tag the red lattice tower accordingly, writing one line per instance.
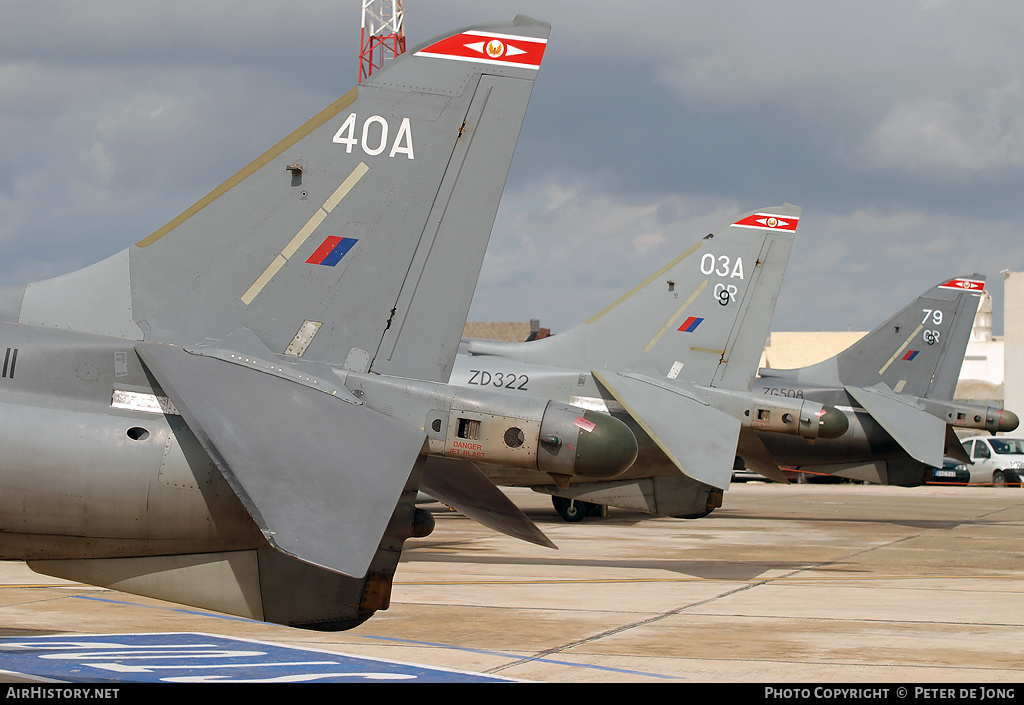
(383, 35)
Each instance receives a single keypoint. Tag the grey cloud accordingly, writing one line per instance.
(889, 122)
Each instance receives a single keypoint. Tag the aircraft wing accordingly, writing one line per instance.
(319, 474)
(700, 440)
(918, 432)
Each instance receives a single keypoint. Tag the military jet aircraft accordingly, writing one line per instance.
(236, 412)
(896, 386)
(674, 358)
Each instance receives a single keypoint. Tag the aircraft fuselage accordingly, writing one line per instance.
(654, 484)
(98, 463)
(93, 466)
(864, 441)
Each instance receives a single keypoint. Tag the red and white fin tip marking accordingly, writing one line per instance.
(489, 48)
(769, 221)
(964, 285)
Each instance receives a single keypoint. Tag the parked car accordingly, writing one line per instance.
(952, 472)
(997, 460)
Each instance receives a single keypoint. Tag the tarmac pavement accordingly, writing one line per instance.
(844, 583)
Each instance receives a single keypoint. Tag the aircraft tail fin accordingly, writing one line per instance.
(358, 238)
(895, 369)
(706, 312)
(919, 351)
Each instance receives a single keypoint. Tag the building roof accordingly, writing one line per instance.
(788, 350)
(509, 331)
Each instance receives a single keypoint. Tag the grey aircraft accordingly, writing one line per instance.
(896, 386)
(675, 359)
(236, 412)
(893, 390)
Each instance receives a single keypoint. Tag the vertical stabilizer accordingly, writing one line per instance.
(703, 317)
(357, 239)
(919, 351)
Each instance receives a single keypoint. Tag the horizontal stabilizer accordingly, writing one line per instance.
(757, 457)
(319, 475)
(918, 432)
(698, 439)
(464, 488)
(954, 448)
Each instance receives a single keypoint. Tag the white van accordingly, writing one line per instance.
(997, 460)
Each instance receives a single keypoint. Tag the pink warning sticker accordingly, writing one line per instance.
(587, 426)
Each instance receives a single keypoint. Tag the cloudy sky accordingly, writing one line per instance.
(898, 126)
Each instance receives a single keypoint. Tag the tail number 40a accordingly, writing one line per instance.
(374, 137)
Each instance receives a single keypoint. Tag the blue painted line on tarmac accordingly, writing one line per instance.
(542, 659)
(196, 613)
(485, 652)
(204, 658)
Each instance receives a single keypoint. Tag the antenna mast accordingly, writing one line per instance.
(383, 35)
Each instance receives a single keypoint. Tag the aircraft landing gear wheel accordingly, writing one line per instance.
(699, 515)
(570, 509)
